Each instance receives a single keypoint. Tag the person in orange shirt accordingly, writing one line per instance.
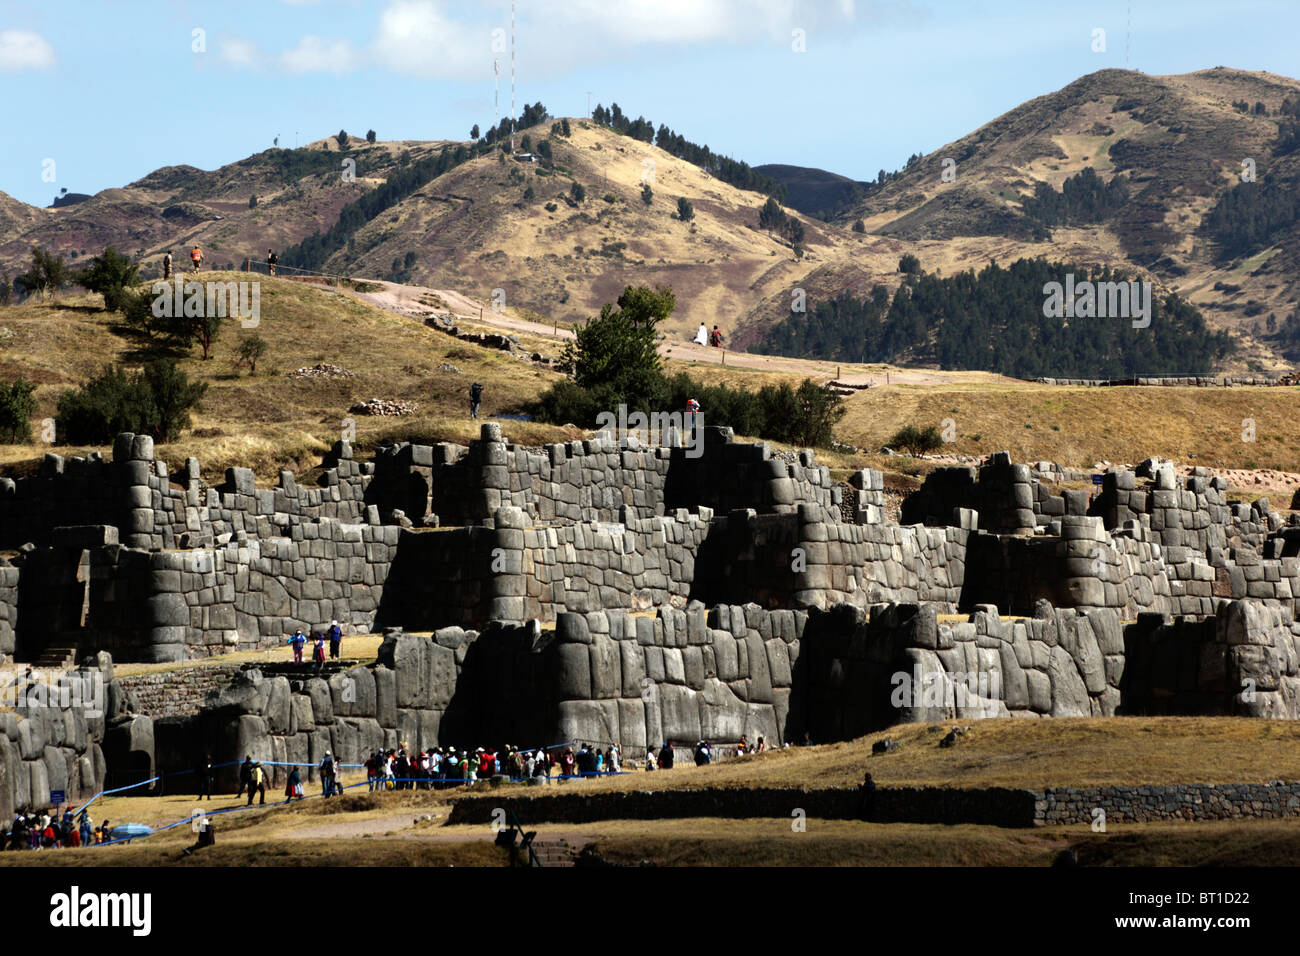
(196, 256)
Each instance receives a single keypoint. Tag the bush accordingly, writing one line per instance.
(577, 192)
(110, 274)
(685, 211)
(647, 194)
(48, 274)
(917, 441)
(156, 402)
(17, 406)
(251, 349)
(909, 264)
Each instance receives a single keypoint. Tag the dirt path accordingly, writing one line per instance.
(405, 300)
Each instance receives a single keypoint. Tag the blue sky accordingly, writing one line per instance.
(112, 90)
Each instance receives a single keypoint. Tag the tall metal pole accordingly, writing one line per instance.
(512, 76)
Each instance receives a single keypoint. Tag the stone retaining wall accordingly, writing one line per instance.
(1006, 807)
(178, 693)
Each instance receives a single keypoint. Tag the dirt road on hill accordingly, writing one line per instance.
(419, 302)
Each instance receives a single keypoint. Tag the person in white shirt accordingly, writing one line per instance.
(702, 335)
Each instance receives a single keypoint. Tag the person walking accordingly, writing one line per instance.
(271, 260)
(327, 775)
(257, 784)
(475, 399)
(298, 642)
(336, 638)
(715, 337)
(702, 335)
(87, 828)
(196, 257)
(318, 653)
(294, 786)
(203, 770)
(167, 265)
(246, 778)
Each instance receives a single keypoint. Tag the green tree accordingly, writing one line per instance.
(250, 351)
(529, 194)
(252, 201)
(859, 226)
(203, 329)
(685, 211)
(110, 274)
(526, 144)
(819, 409)
(647, 194)
(473, 133)
(909, 264)
(342, 138)
(917, 441)
(17, 406)
(173, 396)
(771, 217)
(544, 151)
(565, 128)
(371, 137)
(614, 357)
(155, 402)
(48, 274)
(111, 403)
(577, 192)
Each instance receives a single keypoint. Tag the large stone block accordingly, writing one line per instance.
(606, 668)
(573, 672)
(679, 714)
(588, 721)
(385, 697)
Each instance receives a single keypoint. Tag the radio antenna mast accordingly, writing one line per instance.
(512, 76)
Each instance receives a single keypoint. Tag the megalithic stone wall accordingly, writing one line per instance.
(1245, 661)
(678, 677)
(61, 732)
(901, 664)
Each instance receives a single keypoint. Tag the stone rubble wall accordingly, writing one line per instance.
(179, 693)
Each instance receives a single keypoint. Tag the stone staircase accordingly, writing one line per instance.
(53, 658)
(553, 852)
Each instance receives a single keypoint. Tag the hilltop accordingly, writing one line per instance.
(493, 226)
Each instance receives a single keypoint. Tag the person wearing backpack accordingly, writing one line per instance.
(475, 399)
(327, 775)
(271, 260)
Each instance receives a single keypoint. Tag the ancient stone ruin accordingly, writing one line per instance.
(605, 591)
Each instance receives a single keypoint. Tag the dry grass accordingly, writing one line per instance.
(362, 648)
(849, 843)
(1012, 752)
(270, 421)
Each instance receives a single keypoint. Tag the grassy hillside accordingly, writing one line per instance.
(268, 420)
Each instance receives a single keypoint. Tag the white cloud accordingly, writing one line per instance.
(434, 39)
(24, 50)
(416, 37)
(316, 55)
(239, 53)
